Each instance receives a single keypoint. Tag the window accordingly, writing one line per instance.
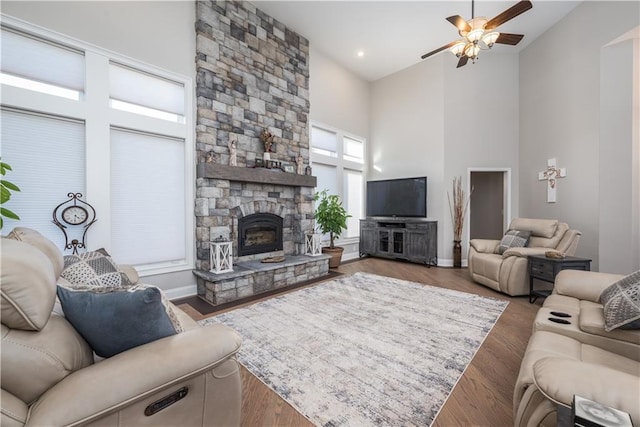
(144, 187)
(33, 63)
(126, 148)
(52, 146)
(141, 93)
(338, 163)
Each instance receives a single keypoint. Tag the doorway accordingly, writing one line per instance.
(489, 203)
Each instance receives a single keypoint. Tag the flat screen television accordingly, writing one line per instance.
(405, 197)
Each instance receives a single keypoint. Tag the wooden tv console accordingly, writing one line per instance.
(413, 240)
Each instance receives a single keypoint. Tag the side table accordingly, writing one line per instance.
(546, 269)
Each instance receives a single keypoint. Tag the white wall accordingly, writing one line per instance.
(433, 119)
(618, 159)
(481, 126)
(560, 117)
(407, 131)
(341, 100)
(158, 33)
(161, 33)
(338, 97)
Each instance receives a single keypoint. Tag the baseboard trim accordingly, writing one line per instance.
(181, 292)
(448, 262)
(349, 256)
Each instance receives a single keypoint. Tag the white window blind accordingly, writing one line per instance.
(146, 90)
(353, 150)
(324, 142)
(147, 198)
(354, 201)
(47, 156)
(35, 59)
(338, 162)
(327, 178)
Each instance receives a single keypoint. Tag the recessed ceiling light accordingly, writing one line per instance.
(360, 54)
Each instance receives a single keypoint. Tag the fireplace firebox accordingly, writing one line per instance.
(259, 233)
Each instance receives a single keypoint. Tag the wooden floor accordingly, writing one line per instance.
(483, 396)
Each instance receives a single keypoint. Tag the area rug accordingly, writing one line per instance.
(364, 350)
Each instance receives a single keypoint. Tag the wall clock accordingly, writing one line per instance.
(74, 212)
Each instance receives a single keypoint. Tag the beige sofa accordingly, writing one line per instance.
(50, 377)
(579, 358)
(509, 273)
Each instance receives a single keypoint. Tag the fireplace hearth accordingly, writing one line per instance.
(259, 233)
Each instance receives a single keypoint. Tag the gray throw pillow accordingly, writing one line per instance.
(113, 322)
(621, 302)
(514, 239)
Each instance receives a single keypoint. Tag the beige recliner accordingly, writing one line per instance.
(578, 358)
(509, 273)
(49, 376)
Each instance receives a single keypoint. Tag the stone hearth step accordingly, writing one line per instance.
(254, 277)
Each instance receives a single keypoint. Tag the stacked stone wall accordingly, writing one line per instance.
(252, 75)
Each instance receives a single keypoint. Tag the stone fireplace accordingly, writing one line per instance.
(259, 233)
(256, 212)
(252, 76)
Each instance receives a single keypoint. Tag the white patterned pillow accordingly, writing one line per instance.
(94, 270)
(514, 239)
(621, 302)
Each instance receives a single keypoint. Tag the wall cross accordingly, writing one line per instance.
(551, 174)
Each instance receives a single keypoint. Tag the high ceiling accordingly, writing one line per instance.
(394, 34)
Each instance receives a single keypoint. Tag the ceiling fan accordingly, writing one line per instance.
(478, 33)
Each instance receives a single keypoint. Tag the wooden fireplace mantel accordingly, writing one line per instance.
(259, 175)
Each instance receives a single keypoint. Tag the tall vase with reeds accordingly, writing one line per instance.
(458, 210)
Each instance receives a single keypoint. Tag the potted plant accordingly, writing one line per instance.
(5, 194)
(331, 218)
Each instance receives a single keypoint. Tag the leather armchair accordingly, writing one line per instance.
(509, 273)
(580, 358)
(556, 367)
(577, 293)
(50, 377)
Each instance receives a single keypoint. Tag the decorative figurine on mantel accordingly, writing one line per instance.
(267, 139)
(211, 157)
(233, 160)
(300, 165)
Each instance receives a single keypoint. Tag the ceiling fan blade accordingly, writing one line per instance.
(463, 61)
(515, 10)
(511, 39)
(440, 49)
(459, 22)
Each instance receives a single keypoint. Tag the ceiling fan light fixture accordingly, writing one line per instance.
(458, 48)
(471, 50)
(475, 35)
(490, 38)
(480, 33)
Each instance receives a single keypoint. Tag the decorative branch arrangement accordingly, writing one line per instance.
(459, 209)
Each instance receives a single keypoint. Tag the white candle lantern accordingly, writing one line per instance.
(221, 257)
(313, 244)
